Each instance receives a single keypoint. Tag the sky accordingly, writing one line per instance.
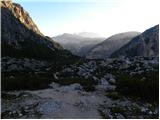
(105, 17)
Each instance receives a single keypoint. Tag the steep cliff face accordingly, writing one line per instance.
(21, 15)
(145, 44)
(21, 37)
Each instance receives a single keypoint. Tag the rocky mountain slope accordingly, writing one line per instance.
(111, 44)
(21, 15)
(22, 38)
(145, 44)
(78, 44)
(26, 53)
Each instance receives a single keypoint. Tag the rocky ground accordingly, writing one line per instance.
(72, 102)
(87, 89)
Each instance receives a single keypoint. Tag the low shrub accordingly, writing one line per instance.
(25, 81)
(147, 88)
(113, 95)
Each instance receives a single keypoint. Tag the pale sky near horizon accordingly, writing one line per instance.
(105, 17)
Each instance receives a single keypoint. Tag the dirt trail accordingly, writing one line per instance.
(59, 102)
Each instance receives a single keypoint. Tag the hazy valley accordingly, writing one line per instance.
(79, 44)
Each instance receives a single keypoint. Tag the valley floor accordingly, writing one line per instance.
(72, 102)
(54, 103)
(90, 89)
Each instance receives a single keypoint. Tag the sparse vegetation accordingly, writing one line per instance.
(145, 85)
(118, 109)
(25, 81)
(113, 95)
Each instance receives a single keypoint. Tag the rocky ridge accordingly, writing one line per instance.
(107, 47)
(145, 44)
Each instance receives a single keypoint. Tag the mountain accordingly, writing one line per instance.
(89, 35)
(20, 14)
(75, 42)
(22, 38)
(28, 58)
(111, 44)
(145, 44)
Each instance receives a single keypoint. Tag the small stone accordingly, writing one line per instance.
(10, 113)
(11, 77)
(119, 116)
(95, 78)
(20, 115)
(14, 112)
(156, 111)
(112, 81)
(150, 112)
(26, 108)
(144, 109)
(103, 81)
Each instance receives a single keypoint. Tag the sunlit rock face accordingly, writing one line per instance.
(20, 35)
(23, 16)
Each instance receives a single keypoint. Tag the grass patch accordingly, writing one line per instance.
(113, 95)
(118, 110)
(25, 81)
(7, 96)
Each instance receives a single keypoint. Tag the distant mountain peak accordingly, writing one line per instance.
(77, 44)
(81, 34)
(89, 34)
